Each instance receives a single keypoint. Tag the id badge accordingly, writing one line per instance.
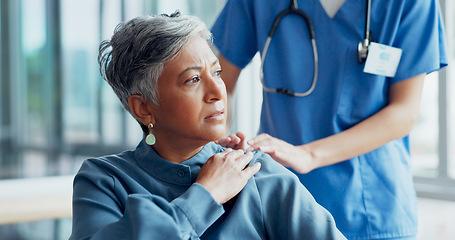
(382, 60)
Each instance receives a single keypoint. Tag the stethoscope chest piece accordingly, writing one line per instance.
(362, 47)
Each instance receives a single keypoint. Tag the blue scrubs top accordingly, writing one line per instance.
(372, 195)
(139, 195)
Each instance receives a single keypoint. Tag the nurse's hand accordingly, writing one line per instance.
(236, 142)
(284, 153)
(225, 174)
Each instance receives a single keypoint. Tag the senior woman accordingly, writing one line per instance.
(177, 183)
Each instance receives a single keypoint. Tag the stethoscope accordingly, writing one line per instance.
(362, 48)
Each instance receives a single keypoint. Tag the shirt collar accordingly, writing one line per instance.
(183, 174)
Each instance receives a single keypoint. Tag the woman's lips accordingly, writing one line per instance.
(216, 116)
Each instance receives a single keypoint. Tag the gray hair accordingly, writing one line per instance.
(132, 61)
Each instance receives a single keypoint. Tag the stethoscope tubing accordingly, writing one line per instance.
(284, 90)
(293, 9)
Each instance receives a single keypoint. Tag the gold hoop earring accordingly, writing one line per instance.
(150, 139)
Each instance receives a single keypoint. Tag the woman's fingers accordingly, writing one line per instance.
(250, 171)
(236, 141)
(225, 174)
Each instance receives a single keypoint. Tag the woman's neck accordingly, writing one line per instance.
(177, 154)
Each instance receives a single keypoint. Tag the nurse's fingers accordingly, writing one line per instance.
(263, 142)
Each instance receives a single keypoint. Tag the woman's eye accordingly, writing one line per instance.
(218, 73)
(193, 80)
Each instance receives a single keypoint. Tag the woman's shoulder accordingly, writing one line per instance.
(107, 164)
(270, 168)
(274, 182)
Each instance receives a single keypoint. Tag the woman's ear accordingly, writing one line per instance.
(141, 109)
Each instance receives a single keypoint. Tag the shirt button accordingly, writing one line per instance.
(181, 173)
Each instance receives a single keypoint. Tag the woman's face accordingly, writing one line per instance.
(192, 97)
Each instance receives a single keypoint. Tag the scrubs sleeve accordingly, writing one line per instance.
(100, 213)
(234, 32)
(290, 211)
(421, 37)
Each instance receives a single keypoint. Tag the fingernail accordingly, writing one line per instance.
(258, 165)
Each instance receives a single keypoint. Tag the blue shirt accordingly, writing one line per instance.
(139, 195)
(372, 195)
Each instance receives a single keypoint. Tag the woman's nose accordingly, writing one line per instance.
(215, 89)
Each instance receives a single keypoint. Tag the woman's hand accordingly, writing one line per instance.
(288, 155)
(224, 175)
(236, 142)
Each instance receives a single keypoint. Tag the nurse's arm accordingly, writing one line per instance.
(394, 121)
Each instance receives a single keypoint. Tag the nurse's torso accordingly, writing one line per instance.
(370, 195)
